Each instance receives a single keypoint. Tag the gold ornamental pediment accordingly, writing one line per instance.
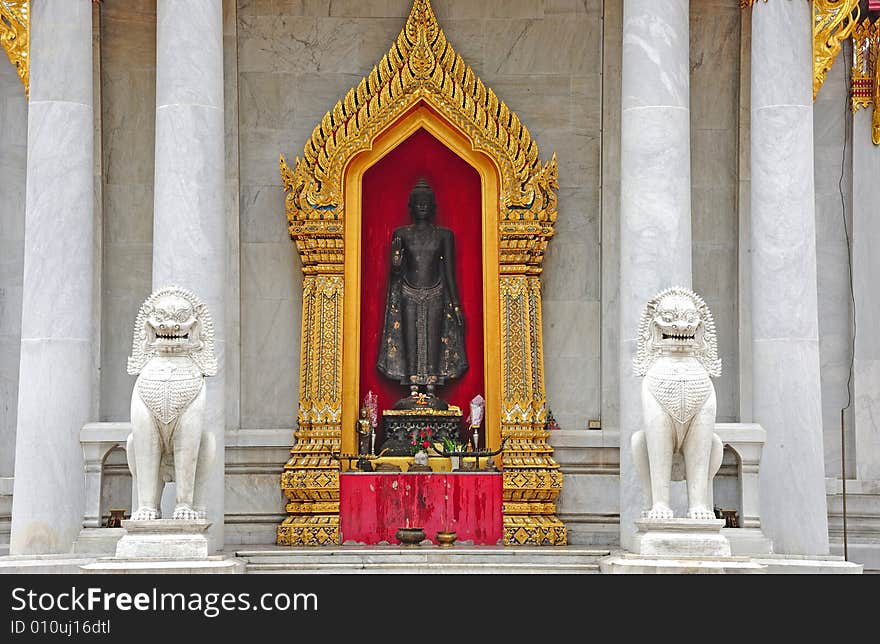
(14, 34)
(420, 67)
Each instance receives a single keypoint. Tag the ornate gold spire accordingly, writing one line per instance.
(833, 22)
(14, 27)
(420, 66)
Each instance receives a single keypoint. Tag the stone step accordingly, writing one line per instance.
(423, 559)
(418, 569)
(43, 564)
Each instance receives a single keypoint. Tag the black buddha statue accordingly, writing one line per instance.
(422, 344)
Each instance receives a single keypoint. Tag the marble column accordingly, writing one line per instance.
(13, 170)
(189, 226)
(655, 204)
(866, 268)
(785, 344)
(56, 377)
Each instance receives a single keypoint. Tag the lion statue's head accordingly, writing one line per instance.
(677, 321)
(173, 321)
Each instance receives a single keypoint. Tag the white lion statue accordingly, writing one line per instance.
(172, 352)
(677, 355)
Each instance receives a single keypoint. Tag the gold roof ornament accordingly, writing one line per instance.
(866, 72)
(14, 31)
(421, 66)
(833, 22)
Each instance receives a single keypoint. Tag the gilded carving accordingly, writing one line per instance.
(14, 36)
(866, 72)
(875, 117)
(420, 66)
(864, 48)
(833, 21)
(421, 69)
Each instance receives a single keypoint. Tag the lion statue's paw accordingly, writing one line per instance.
(659, 511)
(185, 513)
(702, 513)
(145, 514)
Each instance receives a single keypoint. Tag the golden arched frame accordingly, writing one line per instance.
(421, 118)
(421, 83)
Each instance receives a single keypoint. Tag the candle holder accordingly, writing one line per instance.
(410, 536)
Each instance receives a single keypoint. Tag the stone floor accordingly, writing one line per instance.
(392, 559)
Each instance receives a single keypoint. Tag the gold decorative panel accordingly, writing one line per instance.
(421, 83)
(14, 36)
(866, 72)
(833, 21)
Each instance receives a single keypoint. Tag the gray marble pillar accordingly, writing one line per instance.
(13, 155)
(189, 226)
(866, 269)
(785, 344)
(56, 378)
(655, 203)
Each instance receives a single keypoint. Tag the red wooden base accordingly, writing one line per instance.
(373, 506)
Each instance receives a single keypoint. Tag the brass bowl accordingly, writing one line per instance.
(445, 538)
(410, 536)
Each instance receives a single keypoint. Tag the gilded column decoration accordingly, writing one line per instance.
(310, 479)
(875, 118)
(532, 478)
(866, 72)
(14, 32)
(833, 21)
(422, 69)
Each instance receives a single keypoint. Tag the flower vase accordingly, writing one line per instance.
(420, 462)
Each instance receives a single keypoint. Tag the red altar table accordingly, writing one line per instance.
(372, 506)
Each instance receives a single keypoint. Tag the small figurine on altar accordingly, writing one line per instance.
(475, 418)
(364, 431)
(371, 402)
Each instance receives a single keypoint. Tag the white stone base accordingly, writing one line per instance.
(631, 564)
(168, 539)
(97, 541)
(681, 538)
(747, 541)
(808, 565)
(209, 566)
(5, 513)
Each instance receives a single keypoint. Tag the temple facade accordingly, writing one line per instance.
(725, 146)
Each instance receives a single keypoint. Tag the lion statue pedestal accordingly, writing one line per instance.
(172, 353)
(164, 539)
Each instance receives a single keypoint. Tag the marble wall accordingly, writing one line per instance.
(716, 123)
(832, 128)
(128, 118)
(715, 88)
(13, 155)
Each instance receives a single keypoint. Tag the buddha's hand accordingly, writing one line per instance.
(456, 312)
(396, 251)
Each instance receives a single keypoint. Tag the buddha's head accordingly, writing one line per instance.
(421, 202)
